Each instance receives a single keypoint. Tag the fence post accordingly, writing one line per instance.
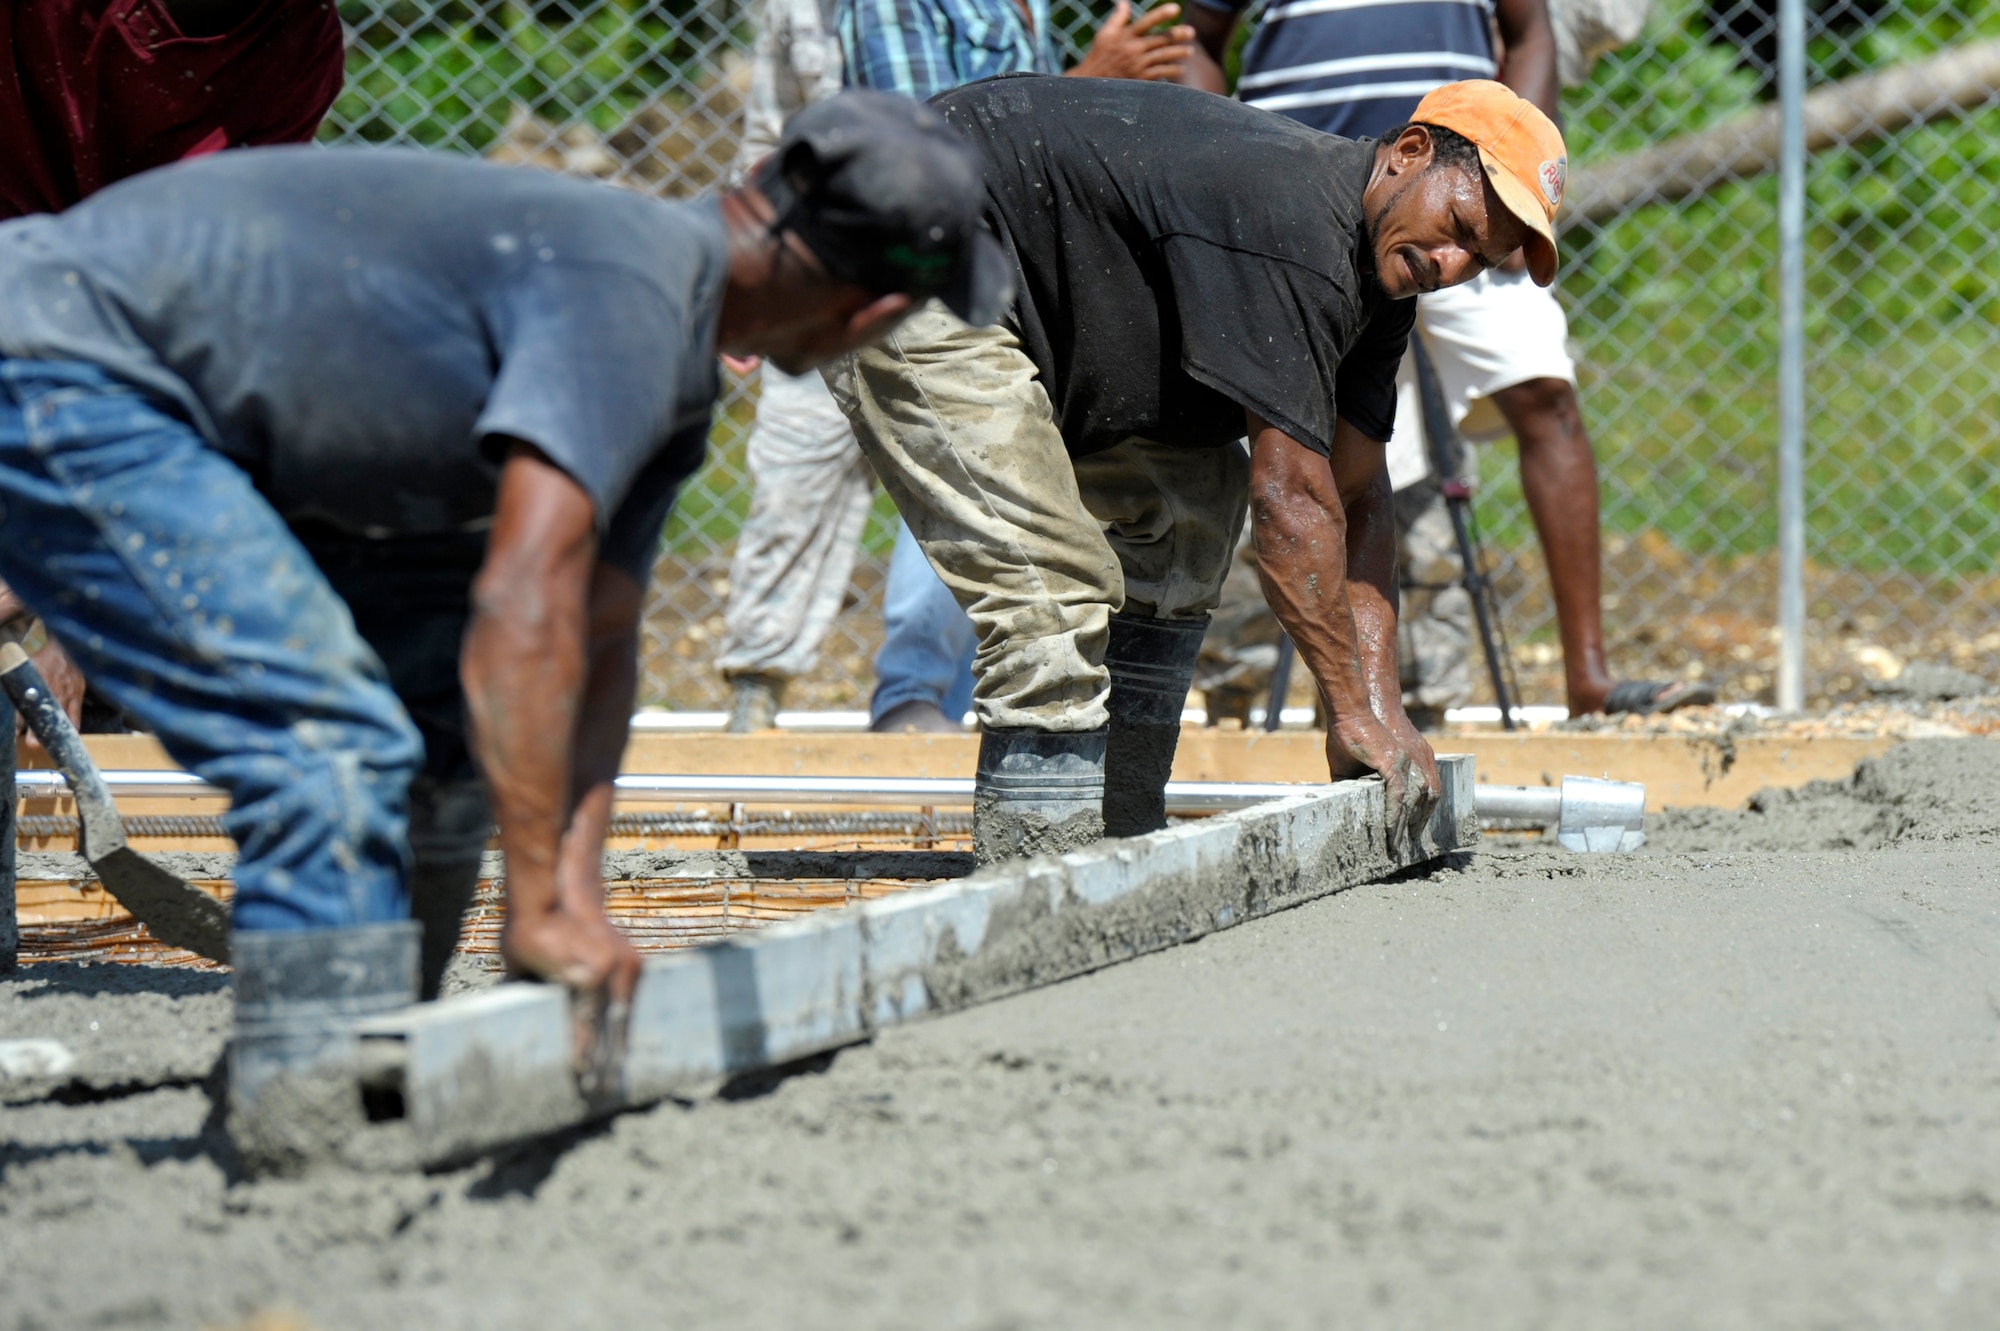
(10, 926)
(1791, 356)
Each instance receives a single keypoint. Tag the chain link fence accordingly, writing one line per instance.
(1669, 276)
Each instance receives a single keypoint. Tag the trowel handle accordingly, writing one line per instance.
(102, 829)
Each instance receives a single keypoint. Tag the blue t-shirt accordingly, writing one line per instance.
(1358, 68)
(362, 331)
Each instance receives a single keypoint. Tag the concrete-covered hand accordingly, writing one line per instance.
(1323, 526)
(583, 951)
(1141, 48)
(550, 662)
(1393, 750)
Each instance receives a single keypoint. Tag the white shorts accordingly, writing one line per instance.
(1495, 331)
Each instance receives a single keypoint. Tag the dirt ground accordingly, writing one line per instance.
(1749, 1077)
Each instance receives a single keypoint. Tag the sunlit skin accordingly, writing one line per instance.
(1432, 229)
(551, 656)
(1324, 527)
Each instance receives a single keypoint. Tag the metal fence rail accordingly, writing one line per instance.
(1670, 277)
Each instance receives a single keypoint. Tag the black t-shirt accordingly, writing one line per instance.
(1182, 257)
(361, 329)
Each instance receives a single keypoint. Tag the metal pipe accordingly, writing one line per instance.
(1183, 797)
(10, 926)
(1526, 803)
(1791, 356)
(41, 783)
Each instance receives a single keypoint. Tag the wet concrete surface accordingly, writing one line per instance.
(1716, 1084)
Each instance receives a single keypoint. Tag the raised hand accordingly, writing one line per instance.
(1141, 48)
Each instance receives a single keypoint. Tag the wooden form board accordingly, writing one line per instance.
(1676, 770)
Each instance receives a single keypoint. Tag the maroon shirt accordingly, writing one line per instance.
(92, 91)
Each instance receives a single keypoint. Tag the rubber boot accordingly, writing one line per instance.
(1152, 664)
(450, 824)
(753, 703)
(294, 1084)
(1037, 793)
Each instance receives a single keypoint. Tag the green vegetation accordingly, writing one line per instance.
(447, 75)
(1673, 306)
(1674, 310)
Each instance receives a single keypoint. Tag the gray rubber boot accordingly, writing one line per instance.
(294, 1092)
(450, 824)
(1152, 664)
(753, 703)
(1037, 793)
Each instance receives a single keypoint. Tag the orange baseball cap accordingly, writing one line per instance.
(1522, 151)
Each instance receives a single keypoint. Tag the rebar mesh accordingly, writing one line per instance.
(1671, 294)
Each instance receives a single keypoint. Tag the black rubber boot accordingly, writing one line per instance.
(1038, 793)
(1152, 664)
(450, 824)
(294, 1085)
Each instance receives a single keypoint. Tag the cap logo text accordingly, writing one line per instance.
(1553, 176)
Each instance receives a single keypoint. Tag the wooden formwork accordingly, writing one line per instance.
(668, 911)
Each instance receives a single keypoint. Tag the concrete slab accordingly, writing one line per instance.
(788, 992)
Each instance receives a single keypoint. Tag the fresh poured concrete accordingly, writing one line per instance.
(1749, 1077)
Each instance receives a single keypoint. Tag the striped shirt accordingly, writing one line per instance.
(1359, 67)
(924, 47)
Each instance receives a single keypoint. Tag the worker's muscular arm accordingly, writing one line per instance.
(1528, 66)
(1528, 60)
(538, 703)
(603, 723)
(1214, 29)
(1324, 532)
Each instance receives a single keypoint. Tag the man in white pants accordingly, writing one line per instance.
(813, 488)
(1498, 339)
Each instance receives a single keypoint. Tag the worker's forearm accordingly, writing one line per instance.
(603, 724)
(1371, 591)
(524, 673)
(1530, 70)
(1203, 72)
(1301, 548)
(1214, 29)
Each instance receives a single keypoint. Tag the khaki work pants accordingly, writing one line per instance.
(810, 499)
(1040, 549)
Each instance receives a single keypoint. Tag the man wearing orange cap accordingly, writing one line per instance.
(1188, 271)
(1497, 345)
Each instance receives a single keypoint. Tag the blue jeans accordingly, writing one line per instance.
(190, 604)
(927, 639)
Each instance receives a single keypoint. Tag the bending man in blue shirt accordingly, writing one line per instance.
(342, 472)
